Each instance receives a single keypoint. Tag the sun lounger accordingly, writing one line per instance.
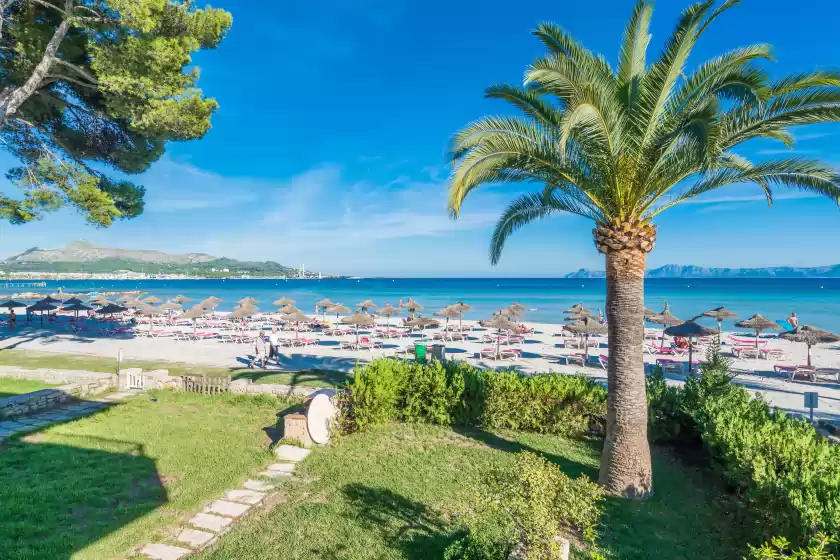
(670, 365)
(488, 353)
(347, 345)
(366, 343)
(453, 336)
(774, 354)
(574, 358)
(510, 353)
(745, 352)
(653, 349)
(604, 361)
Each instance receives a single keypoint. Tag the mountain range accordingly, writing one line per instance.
(692, 271)
(83, 256)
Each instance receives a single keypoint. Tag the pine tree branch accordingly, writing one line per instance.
(78, 70)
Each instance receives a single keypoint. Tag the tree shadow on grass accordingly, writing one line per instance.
(55, 500)
(572, 468)
(412, 527)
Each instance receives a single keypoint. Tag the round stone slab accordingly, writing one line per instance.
(318, 417)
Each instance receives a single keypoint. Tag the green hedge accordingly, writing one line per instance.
(788, 474)
(457, 393)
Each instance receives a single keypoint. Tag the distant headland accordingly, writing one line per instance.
(82, 259)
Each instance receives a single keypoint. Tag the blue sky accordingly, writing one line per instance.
(329, 148)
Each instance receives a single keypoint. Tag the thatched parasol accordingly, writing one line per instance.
(181, 299)
(757, 323)
(358, 320)
(12, 304)
(689, 329)
(337, 308)
(720, 314)
(665, 319)
(72, 301)
(283, 301)
(170, 306)
(578, 308)
(323, 304)
(508, 312)
(147, 311)
(365, 305)
(194, 313)
(125, 299)
(76, 307)
(500, 323)
(41, 306)
(241, 313)
(810, 336)
(422, 322)
(246, 306)
(111, 308)
(586, 327)
(518, 306)
(247, 301)
(463, 308)
(412, 306)
(289, 308)
(50, 299)
(448, 313)
(576, 317)
(297, 317)
(389, 311)
(151, 300)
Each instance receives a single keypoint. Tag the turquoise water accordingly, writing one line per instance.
(816, 301)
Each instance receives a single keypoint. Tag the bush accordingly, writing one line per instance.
(779, 547)
(457, 393)
(536, 501)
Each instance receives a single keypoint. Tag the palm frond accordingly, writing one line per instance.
(527, 100)
(632, 57)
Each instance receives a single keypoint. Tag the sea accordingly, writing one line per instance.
(816, 301)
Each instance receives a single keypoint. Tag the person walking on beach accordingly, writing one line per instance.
(274, 345)
(793, 320)
(12, 319)
(260, 352)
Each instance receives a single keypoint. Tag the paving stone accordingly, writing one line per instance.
(257, 486)
(245, 496)
(210, 522)
(195, 538)
(230, 509)
(164, 551)
(282, 467)
(276, 474)
(291, 453)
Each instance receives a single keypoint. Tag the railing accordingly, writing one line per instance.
(136, 381)
(205, 385)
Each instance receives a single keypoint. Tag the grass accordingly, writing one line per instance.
(35, 359)
(97, 487)
(400, 491)
(10, 387)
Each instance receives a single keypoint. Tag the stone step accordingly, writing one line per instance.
(226, 508)
(210, 522)
(291, 453)
(245, 496)
(257, 486)
(158, 551)
(282, 467)
(276, 474)
(195, 538)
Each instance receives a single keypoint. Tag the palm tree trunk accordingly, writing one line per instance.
(625, 463)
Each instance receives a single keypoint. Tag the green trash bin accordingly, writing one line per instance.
(420, 353)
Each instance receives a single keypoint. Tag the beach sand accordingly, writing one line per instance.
(541, 352)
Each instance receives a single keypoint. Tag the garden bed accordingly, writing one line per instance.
(400, 491)
(99, 486)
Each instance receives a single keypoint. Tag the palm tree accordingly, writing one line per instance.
(619, 146)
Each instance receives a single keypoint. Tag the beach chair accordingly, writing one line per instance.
(668, 365)
(574, 358)
(603, 361)
(653, 349)
(347, 345)
(510, 353)
(455, 335)
(831, 373)
(775, 354)
(489, 353)
(746, 352)
(366, 343)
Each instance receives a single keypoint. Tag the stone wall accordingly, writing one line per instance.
(53, 375)
(28, 403)
(246, 386)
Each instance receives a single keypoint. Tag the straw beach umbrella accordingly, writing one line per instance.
(412, 306)
(463, 308)
(448, 313)
(41, 306)
(388, 311)
(358, 320)
(323, 304)
(586, 327)
(193, 314)
(147, 311)
(757, 323)
(125, 299)
(76, 307)
(283, 301)
(665, 319)
(170, 306)
(577, 308)
(297, 317)
(720, 314)
(422, 322)
(500, 323)
(810, 336)
(12, 304)
(151, 300)
(248, 301)
(365, 305)
(690, 329)
(181, 299)
(337, 308)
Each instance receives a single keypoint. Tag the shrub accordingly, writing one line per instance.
(457, 393)
(779, 547)
(536, 501)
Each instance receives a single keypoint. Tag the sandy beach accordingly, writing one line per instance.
(545, 350)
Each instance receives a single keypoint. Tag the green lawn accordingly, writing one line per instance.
(10, 386)
(97, 487)
(36, 359)
(398, 491)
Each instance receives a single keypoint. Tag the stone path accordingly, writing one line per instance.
(69, 411)
(219, 516)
